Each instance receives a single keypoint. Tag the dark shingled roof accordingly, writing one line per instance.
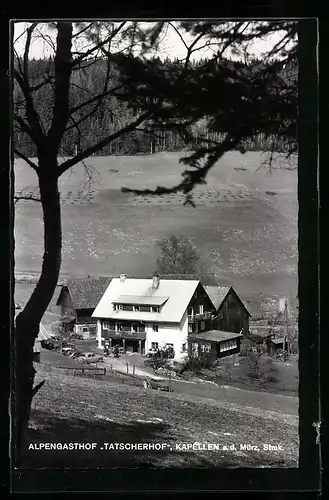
(217, 294)
(87, 292)
(215, 335)
(260, 338)
(205, 279)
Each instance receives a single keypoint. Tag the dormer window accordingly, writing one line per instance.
(155, 309)
(118, 307)
(136, 308)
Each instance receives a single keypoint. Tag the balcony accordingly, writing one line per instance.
(194, 318)
(128, 335)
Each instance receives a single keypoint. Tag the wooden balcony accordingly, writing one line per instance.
(194, 318)
(127, 335)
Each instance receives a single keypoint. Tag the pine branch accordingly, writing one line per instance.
(191, 177)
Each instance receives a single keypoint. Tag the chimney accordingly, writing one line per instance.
(123, 277)
(155, 281)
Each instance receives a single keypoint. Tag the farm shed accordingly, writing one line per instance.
(274, 344)
(78, 299)
(214, 344)
(232, 314)
(259, 341)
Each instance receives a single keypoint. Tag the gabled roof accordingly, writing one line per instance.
(217, 295)
(205, 279)
(86, 292)
(45, 332)
(140, 300)
(215, 336)
(179, 293)
(258, 338)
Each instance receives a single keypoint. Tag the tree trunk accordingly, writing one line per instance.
(27, 322)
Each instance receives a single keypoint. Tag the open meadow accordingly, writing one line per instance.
(77, 410)
(244, 224)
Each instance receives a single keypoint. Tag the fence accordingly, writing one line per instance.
(88, 372)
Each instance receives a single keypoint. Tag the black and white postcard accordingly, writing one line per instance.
(165, 251)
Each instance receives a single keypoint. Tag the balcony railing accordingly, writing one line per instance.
(129, 335)
(193, 318)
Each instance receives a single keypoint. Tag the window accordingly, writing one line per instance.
(200, 309)
(155, 309)
(137, 308)
(85, 329)
(205, 347)
(106, 325)
(134, 327)
(190, 311)
(190, 330)
(202, 325)
(155, 328)
(119, 327)
(228, 345)
(184, 347)
(154, 345)
(118, 307)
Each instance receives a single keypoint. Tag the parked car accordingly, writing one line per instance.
(89, 357)
(75, 354)
(67, 351)
(158, 385)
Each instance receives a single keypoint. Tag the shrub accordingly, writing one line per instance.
(253, 360)
(197, 364)
(269, 371)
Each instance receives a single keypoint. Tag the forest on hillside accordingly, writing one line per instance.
(112, 114)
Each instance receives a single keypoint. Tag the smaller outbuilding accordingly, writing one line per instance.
(77, 300)
(214, 344)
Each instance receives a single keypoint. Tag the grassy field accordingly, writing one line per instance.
(74, 410)
(285, 382)
(244, 223)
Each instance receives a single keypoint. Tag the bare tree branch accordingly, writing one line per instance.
(99, 145)
(82, 31)
(27, 198)
(32, 115)
(98, 45)
(25, 158)
(24, 126)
